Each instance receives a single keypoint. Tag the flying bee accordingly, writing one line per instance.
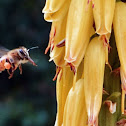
(13, 59)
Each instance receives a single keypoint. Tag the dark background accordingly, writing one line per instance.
(28, 99)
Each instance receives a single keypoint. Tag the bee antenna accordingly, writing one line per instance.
(32, 48)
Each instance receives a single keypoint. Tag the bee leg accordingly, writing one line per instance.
(10, 72)
(20, 68)
(10, 76)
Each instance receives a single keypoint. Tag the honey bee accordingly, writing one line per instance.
(13, 59)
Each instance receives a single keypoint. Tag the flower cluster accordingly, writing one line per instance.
(79, 46)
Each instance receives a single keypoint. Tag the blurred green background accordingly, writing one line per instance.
(28, 99)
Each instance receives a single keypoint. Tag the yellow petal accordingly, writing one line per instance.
(94, 64)
(56, 5)
(63, 85)
(79, 25)
(58, 15)
(57, 54)
(103, 11)
(46, 8)
(56, 124)
(75, 109)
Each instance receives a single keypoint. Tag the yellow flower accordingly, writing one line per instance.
(51, 16)
(94, 64)
(103, 11)
(79, 25)
(57, 34)
(63, 85)
(55, 6)
(75, 110)
(119, 24)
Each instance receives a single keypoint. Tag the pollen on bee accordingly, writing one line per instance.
(7, 65)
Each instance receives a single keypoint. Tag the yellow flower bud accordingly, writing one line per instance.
(79, 25)
(94, 64)
(63, 85)
(75, 110)
(119, 24)
(103, 11)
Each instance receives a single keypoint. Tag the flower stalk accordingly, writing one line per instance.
(81, 43)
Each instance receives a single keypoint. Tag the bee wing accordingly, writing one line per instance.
(3, 51)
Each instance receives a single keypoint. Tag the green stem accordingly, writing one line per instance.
(111, 84)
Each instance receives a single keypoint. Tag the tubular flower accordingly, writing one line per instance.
(63, 86)
(119, 24)
(59, 14)
(94, 64)
(79, 25)
(55, 6)
(75, 110)
(103, 11)
(57, 34)
(52, 6)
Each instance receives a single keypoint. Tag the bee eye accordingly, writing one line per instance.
(21, 51)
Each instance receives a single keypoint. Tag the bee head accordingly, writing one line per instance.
(23, 53)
